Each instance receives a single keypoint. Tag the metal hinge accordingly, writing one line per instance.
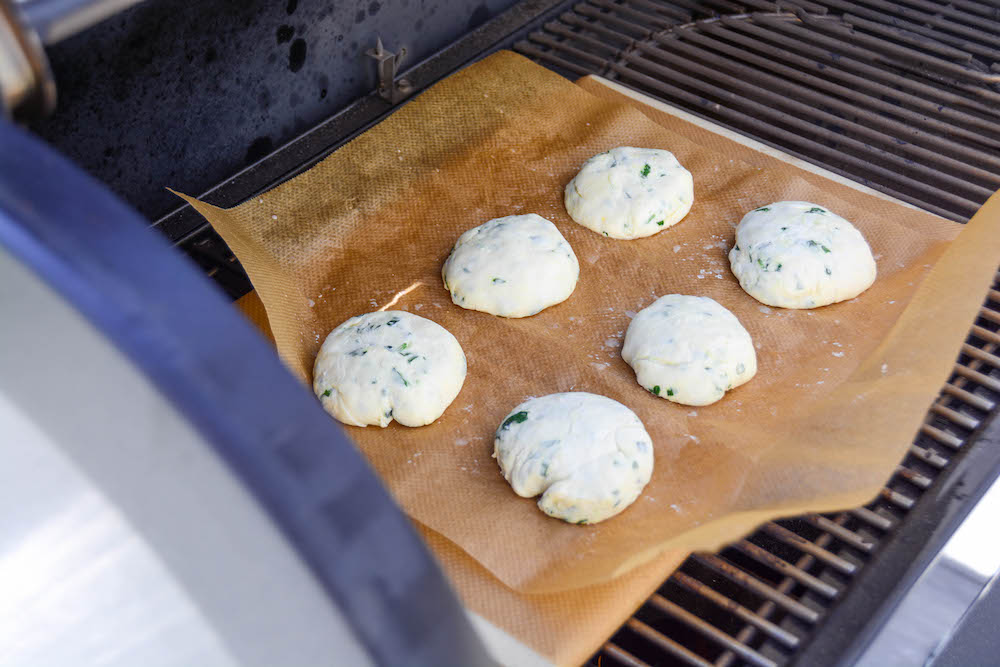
(389, 88)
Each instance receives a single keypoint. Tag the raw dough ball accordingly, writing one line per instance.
(628, 193)
(511, 267)
(794, 254)
(388, 365)
(689, 349)
(588, 456)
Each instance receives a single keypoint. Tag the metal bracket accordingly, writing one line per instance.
(392, 90)
(27, 89)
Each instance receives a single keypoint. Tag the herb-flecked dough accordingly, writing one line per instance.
(514, 266)
(385, 366)
(796, 254)
(587, 455)
(629, 193)
(689, 349)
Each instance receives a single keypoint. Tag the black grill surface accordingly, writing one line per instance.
(899, 96)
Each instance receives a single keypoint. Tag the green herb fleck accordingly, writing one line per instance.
(815, 209)
(760, 263)
(779, 267)
(545, 469)
(763, 208)
(393, 321)
(656, 390)
(410, 358)
(645, 171)
(360, 352)
(784, 228)
(388, 415)
(660, 223)
(328, 392)
(670, 392)
(400, 376)
(737, 248)
(516, 418)
(605, 233)
(825, 249)
(403, 346)
(583, 522)
(498, 281)
(828, 271)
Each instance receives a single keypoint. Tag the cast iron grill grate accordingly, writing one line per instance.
(906, 112)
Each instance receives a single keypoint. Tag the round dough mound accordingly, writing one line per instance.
(588, 456)
(689, 349)
(388, 365)
(511, 267)
(794, 254)
(628, 193)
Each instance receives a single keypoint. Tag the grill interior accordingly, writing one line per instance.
(900, 96)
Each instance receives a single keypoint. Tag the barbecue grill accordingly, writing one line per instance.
(901, 97)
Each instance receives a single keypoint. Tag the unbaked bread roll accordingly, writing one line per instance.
(589, 456)
(388, 365)
(689, 349)
(512, 267)
(795, 254)
(628, 193)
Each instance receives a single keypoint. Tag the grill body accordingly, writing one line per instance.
(899, 96)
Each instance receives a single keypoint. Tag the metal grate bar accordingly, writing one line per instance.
(710, 631)
(802, 544)
(786, 568)
(872, 518)
(623, 656)
(928, 456)
(943, 437)
(846, 536)
(960, 418)
(738, 610)
(897, 498)
(976, 401)
(757, 586)
(665, 643)
(981, 379)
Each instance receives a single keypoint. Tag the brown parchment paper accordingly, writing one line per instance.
(839, 392)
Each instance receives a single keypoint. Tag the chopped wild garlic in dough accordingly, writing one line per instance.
(389, 365)
(795, 254)
(628, 193)
(512, 267)
(588, 456)
(689, 349)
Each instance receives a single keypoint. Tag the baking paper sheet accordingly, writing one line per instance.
(839, 393)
